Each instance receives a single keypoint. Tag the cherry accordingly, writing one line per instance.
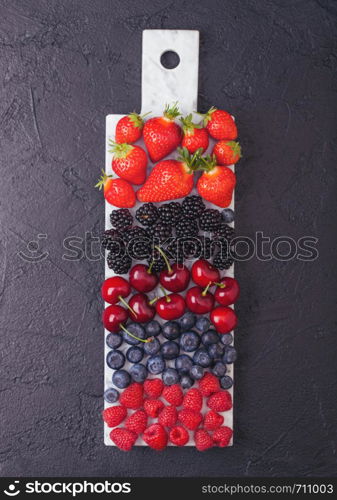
(142, 279)
(171, 306)
(199, 301)
(143, 310)
(227, 292)
(224, 319)
(175, 278)
(113, 317)
(114, 289)
(204, 273)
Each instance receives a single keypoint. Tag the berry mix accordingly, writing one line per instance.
(169, 316)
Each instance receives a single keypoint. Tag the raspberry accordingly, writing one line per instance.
(153, 407)
(193, 400)
(222, 436)
(132, 396)
(178, 435)
(203, 440)
(123, 438)
(114, 415)
(213, 420)
(220, 401)
(136, 422)
(190, 418)
(168, 416)
(209, 384)
(155, 436)
(173, 394)
(153, 388)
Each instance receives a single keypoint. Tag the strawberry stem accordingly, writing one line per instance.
(134, 336)
(163, 254)
(171, 112)
(120, 150)
(102, 180)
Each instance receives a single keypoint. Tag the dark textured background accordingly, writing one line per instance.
(63, 66)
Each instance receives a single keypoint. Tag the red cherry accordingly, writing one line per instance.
(113, 289)
(143, 310)
(142, 279)
(204, 273)
(113, 317)
(171, 306)
(199, 301)
(175, 278)
(227, 292)
(224, 319)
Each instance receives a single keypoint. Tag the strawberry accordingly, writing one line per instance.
(193, 400)
(178, 435)
(227, 152)
(220, 124)
(132, 396)
(123, 438)
(209, 384)
(216, 183)
(153, 407)
(117, 192)
(161, 134)
(220, 401)
(195, 136)
(129, 128)
(168, 416)
(153, 387)
(212, 420)
(222, 436)
(203, 440)
(114, 415)
(129, 162)
(136, 422)
(173, 394)
(155, 436)
(190, 418)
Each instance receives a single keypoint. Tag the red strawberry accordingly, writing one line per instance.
(123, 438)
(132, 396)
(168, 416)
(114, 415)
(227, 152)
(129, 162)
(220, 401)
(173, 394)
(209, 384)
(117, 192)
(217, 183)
(178, 435)
(153, 387)
(222, 436)
(212, 420)
(195, 136)
(161, 134)
(190, 418)
(220, 124)
(193, 400)
(203, 440)
(153, 407)
(136, 422)
(155, 436)
(129, 128)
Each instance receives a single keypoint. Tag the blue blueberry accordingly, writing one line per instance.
(189, 341)
(186, 382)
(111, 395)
(121, 379)
(230, 355)
(226, 338)
(228, 215)
(202, 324)
(170, 376)
(183, 364)
(152, 328)
(170, 349)
(138, 373)
(171, 330)
(197, 372)
(136, 330)
(152, 347)
(134, 354)
(210, 337)
(216, 351)
(187, 321)
(202, 358)
(115, 360)
(219, 369)
(114, 340)
(226, 382)
(156, 364)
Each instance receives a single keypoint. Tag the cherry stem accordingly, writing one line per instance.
(149, 271)
(220, 285)
(165, 293)
(163, 254)
(206, 289)
(152, 301)
(127, 305)
(134, 336)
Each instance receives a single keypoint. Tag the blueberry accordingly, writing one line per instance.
(227, 215)
(230, 355)
(210, 337)
(216, 351)
(134, 354)
(152, 347)
(156, 364)
(136, 330)
(226, 338)
(197, 372)
(202, 358)
(114, 340)
(202, 324)
(183, 363)
(186, 382)
(121, 379)
(138, 373)
(170, 349)
(152, 328)
(189, 341)
(170, 376)
(219, 369)
(111, 395)
(226, 382)
(187, 321)
(171, 330)
(115, 360)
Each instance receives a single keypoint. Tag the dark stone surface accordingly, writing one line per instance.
(64, 65)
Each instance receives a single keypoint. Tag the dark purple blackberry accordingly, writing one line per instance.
(210, 219)
(147, 214)
(207, 247)
(135, 232)
(156, 261)
(170, 212)
(138, 243)
(181, 249)
(112, 240)
(119, 264)
(187, 227)
(161, 231)
(193, 206)
(121, 219)
(224, 232)
(222, 261)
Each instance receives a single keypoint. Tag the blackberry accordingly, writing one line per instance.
(181, 249)
(138, 243)
(193, 206)
(135, 232)
(187, 227)
(161, 231)
(224, 232)
(119, 264)
(210, 219)
(170, 212)
(147, 214)
(157, 264)
(121, 219)
(207, 247)
(222, 261)
(112, 240)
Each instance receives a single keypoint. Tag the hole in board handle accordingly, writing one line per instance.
(169, 59)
